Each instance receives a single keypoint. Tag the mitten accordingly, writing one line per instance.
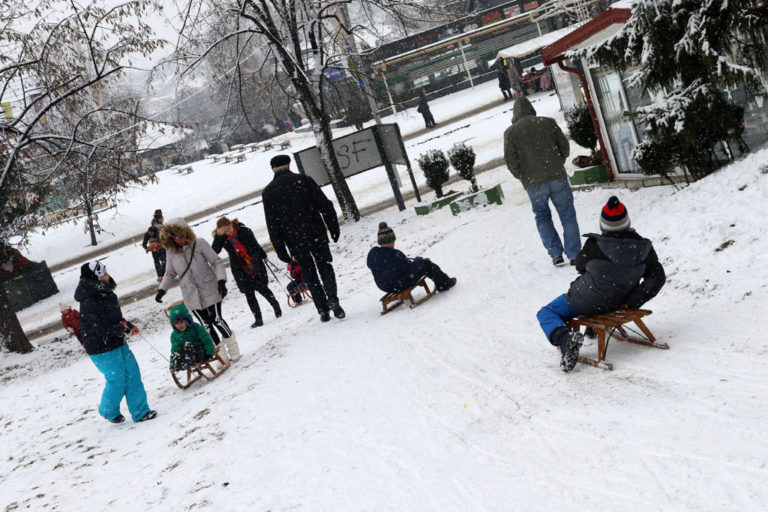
(134, 331)
(159, 296)
(335, 236)
(222, 289)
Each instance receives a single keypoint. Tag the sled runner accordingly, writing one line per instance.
(206, 369)
(399, 297)
(613, 325)
(306, 297)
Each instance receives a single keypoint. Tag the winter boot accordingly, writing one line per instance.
(325, 316)
(569, 348)
(337, 311)
(258, 323)
(448, 285)
(223, 353)
(276, 306)
(118, 419)
(232, 348)
(558, 260)
(149, 416)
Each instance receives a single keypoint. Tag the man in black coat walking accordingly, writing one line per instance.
(619, 269)
(299, 218)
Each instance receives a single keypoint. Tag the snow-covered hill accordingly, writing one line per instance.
(456, 405)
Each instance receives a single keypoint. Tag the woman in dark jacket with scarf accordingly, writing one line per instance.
(246, 260)
(103, 330)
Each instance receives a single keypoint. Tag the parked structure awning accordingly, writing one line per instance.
(594, 31)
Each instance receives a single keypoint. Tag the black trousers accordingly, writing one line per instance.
(314, 261)
(250, 296)
(211, 319)
(159, 258)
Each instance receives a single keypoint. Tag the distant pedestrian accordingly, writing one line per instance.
(202, 279)
(247, 262)
(535, 150)
(423, 109)
(103, 330)
(355, 115)
(503, 77)
(70, 319)
(151, 243)
(299, 218)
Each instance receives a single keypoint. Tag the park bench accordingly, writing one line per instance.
(254, 147)
(185, 170)
(614, 325)
(215, 158)
(285, 144)
(240, 157)
(266, 146)
(399, 297)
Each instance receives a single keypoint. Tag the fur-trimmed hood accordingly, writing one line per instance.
(173, 228)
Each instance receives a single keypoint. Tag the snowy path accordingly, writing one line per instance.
(456, 405)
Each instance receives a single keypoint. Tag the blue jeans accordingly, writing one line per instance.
(554, 314)
(123, 377)
(559, 191)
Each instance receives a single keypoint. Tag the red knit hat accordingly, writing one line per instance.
(614, 216)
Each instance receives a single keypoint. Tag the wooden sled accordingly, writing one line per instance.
(399, 297)
(206, 369)
(306, 298)
(616, 323)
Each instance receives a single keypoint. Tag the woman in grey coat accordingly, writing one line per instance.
(202, 279)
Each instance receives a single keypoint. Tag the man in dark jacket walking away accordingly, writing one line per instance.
(619, 269)
(535, 150)
(501, 74)
(103, 331)
(423, 109)
(299, 218)
(393, 271)
(151, 243)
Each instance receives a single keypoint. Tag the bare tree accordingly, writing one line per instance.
(302, 38)
(41, 67)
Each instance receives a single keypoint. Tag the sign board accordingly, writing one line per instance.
(356, 153)
(376, 146)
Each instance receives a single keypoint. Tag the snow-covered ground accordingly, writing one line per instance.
(457, 405)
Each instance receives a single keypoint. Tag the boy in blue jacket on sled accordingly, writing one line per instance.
(393, 271)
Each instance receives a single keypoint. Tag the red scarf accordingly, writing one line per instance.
(242, 254)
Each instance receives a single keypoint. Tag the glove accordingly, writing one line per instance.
(222, 289)
(70, 330)
(335, 236)
(284, 257)
(159, 296)
(134, 331)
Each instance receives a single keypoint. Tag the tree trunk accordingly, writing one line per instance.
(324, 139)
(12, 337)
(89, 213)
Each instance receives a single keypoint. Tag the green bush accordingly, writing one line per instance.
(434, 164)
(462, 159)
(581, 128)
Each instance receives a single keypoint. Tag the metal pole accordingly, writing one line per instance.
(466, 66)
(386, 86)
(390, 170)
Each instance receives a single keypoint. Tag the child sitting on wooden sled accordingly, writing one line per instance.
(297, 284)
(190, 342)
(393, 271)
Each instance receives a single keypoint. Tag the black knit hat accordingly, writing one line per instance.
(280, 161)
(386, 235)
(158, 214)
(614, 216)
